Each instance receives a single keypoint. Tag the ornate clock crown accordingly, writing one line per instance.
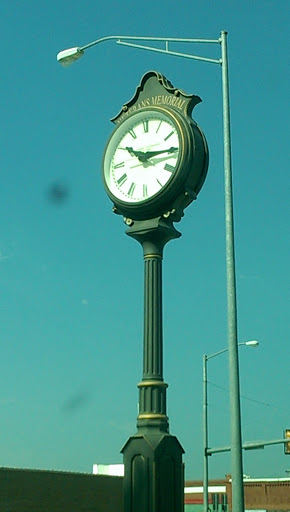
(155, 90)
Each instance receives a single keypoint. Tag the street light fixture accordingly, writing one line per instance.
(252, 343)
(66, 57)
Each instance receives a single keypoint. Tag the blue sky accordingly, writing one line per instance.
(72, 281)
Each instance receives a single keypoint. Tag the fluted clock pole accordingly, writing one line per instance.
(154, 480)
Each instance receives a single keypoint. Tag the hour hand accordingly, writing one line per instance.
(130, 150)
(133, 152)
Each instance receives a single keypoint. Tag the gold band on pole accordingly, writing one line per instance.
(156, 383)
(152, 416)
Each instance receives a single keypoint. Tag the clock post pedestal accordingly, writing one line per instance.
(154, 475)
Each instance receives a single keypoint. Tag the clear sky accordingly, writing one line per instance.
(72, 281)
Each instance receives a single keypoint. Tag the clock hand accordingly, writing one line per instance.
(154, 161)
(151, 161)
(130, 150)
(138, 154)
(150, 154)
(145, 164)
(144, 156)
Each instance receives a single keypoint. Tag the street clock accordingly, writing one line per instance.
(154, 165)
(156, 160)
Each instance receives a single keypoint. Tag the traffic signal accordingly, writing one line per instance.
(287, 445)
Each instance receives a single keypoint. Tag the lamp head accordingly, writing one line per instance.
(253, 343)
(67, 57)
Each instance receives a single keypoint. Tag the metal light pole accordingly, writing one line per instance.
(205, 359)
(68, 56)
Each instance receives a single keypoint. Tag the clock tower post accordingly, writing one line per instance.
(153, 480)
(154, 165)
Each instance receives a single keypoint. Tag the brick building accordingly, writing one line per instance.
(261, 494)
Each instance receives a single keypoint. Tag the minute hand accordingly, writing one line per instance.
(150, 154)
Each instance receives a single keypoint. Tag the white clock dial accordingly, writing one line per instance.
(142, 156)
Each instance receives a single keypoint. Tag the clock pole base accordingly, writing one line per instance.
(153, 480)
(154, 473)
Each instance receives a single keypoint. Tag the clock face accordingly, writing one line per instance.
(142, 156)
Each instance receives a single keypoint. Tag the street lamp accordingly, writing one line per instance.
(68, 56)
(252, 343)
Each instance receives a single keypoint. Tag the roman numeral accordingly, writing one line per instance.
(146, 126)
(122, 179)
(167, 137)
(133, 134)
(160, 184)
(169, 167)
(145, 192)
(158, 126)
(117, 166)
(131, 189)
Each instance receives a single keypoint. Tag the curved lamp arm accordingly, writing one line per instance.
(67, 57)
(252, 343)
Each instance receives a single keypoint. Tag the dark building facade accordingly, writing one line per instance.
(23, 490)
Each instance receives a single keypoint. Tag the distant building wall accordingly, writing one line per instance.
(52, 491)
(193, 495)
(261, 494)
(269, 495)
